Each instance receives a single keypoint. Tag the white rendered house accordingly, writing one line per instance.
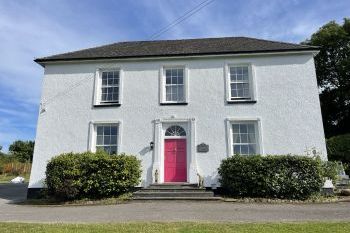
(181, 106)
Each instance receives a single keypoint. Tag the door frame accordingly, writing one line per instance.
(160, 125)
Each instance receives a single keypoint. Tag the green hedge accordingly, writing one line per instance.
(279, 176)
(338, 149)
(91, 175)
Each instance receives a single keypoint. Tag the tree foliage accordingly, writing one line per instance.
(22, 150)
(333, 75)
(338, 149)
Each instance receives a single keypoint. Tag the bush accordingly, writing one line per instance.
(280, 176)
(91, 175)
(338, 149)
(330, 169)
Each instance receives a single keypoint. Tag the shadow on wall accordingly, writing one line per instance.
(146, 150)
(211, 180)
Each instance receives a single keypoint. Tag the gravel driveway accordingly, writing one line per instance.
(167, 211)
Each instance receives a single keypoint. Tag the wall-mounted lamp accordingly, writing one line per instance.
(151, 145)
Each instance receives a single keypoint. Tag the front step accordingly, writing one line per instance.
(173, 192)
(177, 198)
(173, 186)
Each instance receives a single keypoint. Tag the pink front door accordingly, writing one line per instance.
(175, 160)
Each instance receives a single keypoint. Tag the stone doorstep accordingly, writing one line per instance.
(177, 199)
(173, 194)
(173, 191)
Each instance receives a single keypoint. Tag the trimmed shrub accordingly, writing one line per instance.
(91, 175)
(338, 149)
(278, 176)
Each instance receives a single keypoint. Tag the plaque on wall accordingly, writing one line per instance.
(202, 148)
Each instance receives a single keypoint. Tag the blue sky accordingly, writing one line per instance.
(35, 28)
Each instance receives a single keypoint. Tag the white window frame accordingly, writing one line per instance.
(162, 82)
(98, 86)
(93, 134)
(258, 133)
(251, 81)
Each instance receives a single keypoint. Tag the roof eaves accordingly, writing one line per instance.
(41, 61)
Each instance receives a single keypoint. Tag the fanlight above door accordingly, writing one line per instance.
(175, 130)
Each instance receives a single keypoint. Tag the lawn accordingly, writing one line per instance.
(313, 227)
(5, 178)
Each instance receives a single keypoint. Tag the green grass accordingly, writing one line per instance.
(5, 178)
(313, 227)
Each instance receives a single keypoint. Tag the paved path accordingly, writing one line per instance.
(170, 211)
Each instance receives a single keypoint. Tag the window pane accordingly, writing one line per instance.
(113, 140)
(252, 149)
(244, 138)
(174, 93)
(99, 140)
(106, 140)
(180, 73)
(236, 149)
(99, 130)
(251, 138)
(168, 73)
(110, 81)
(104, 90)
(180, 80)
(251, 128)
(107, 130)
(103, 97)
(113, 150)
(114, 130)
(180, 93)
(168, 80)
(235, 128)
(104, 80)
(245, 73)
(243, 128)
(168, 93)
(236, 138)
(116, 81)
(173, 80)
(244, 149)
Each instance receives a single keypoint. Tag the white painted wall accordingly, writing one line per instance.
(287, 105)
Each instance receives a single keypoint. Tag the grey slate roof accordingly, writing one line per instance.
(186, 47)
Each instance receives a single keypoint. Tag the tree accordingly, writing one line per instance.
(333, 75)
(22, 150)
